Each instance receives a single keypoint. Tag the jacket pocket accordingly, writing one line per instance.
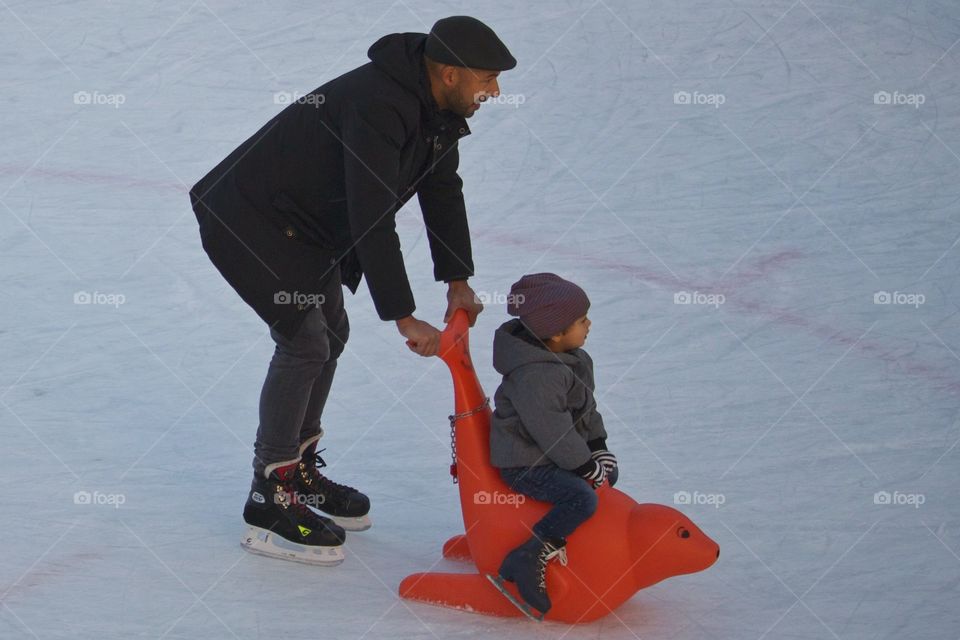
(301, 226)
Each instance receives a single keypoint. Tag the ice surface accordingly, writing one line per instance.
(793, 402)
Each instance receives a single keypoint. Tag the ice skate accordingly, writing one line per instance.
(345, 505)
(527, 567)
(279, 525)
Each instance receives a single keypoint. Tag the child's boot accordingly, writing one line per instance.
(527, 567)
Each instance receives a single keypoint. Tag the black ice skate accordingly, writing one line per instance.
(279, 525)
(345, 505)
(527, 567)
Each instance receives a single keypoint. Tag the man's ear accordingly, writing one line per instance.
(450, 75)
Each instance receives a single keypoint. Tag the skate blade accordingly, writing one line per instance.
(360, 523)
(524, 608)
(266, 543)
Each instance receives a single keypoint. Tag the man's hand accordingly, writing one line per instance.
(461, 296)
(422, 337)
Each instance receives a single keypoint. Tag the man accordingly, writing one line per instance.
(309, 202)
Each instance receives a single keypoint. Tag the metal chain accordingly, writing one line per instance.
(453, 435)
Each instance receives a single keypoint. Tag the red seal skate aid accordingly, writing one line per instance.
(623, 548)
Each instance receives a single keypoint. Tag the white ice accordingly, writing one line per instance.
(792, 402)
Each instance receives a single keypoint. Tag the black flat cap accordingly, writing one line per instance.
(463, 41)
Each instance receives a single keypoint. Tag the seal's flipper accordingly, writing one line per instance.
(465, 591)
(456, 548)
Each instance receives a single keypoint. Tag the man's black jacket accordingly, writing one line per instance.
(318, 188)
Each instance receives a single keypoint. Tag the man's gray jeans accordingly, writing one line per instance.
(299, 378)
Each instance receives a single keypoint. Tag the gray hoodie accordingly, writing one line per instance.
(545, 409)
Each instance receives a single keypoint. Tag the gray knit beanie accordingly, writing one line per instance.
(546, 303)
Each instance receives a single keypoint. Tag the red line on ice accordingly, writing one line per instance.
(758, 270)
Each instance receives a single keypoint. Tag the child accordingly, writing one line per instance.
(546, 435)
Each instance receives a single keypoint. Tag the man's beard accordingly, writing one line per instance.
(461, 106)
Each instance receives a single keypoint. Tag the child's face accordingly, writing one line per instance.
(572, 337)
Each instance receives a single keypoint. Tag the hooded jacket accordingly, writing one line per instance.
(318, 187)
(545, 410)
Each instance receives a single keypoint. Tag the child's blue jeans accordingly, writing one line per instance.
(573, 499)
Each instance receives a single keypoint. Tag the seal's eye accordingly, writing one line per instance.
(683, 533)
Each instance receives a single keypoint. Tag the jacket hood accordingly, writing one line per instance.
(400, 56)
(513, 347)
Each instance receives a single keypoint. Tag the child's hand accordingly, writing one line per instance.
(609, 463)
(595, 475)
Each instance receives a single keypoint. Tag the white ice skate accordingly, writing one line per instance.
(267, 543)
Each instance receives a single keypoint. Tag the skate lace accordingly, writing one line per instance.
(548, 553)
(287, 496)
(327, 485)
